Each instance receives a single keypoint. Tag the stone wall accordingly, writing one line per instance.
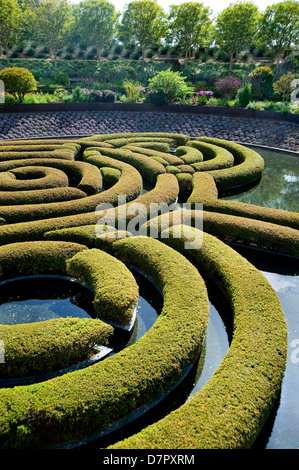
(272, 133)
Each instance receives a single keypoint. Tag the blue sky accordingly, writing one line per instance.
(216, 5)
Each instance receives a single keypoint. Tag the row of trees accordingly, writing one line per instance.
(57, 23)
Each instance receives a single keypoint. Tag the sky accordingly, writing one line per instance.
(216, 5)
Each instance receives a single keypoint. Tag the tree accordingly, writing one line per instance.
(52, 19)
(96, 22)
(10, 24)
(190, 26)
(143, 21)
(236, 27)
(279, 27)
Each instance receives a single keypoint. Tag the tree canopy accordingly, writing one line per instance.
(52, 19)
(96, 22)
(190, 26)
(279, 26)
(10, 21)
(236, 27)
(143, 21)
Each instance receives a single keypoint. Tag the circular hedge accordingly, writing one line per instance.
(88, 234)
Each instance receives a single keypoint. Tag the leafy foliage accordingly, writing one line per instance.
(190, 26)
(18, 81)
(144, 22)
(96, 23)
(236, 27)
(279, 26)
(172, 84)
(261, 79)
(283, 86)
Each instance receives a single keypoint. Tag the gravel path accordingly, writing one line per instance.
(277, 134)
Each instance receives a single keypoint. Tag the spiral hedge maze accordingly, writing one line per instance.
(50, 193)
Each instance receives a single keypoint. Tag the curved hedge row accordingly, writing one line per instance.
(75, 405)
(115, 289)
(27, 346)
(189, 154)
(85, 401)
(216, 158)
(248, 164)
(205, 191)
(148, 168)
(178, 139)
(32, 178)
(233, 405)
(232, 229)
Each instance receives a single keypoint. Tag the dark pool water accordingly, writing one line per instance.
(279, 185)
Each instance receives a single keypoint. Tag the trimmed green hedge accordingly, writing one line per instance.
(85, 401)
(27, 346)
(30, 258)
(89, 235)
(189, 154)
(165, 191)
(248, 164)
(147, 167)
(215, 157)
(232, 229)
(179, 139)
(230, 409)
(171, 159)
(33, 349)
(22, 178)
(40, 196)
(205, 191)
(115, 289)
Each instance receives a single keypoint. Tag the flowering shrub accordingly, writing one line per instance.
(228, 86)
(201, 97)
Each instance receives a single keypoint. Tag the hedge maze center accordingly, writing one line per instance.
(66, 381)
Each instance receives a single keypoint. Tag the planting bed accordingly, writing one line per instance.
(86, 227)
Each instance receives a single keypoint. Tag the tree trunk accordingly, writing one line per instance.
(7, 54)
(99, 56)
(231, 63)
(143, 58)
(186, 58)
(277, 65)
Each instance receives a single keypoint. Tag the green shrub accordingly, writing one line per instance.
(61, 79)
(159, 98)
(171, 83)
(248, 164)
(283, 87)
(114, 286)
(261, 79)
(244, 96)
(18, 81)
